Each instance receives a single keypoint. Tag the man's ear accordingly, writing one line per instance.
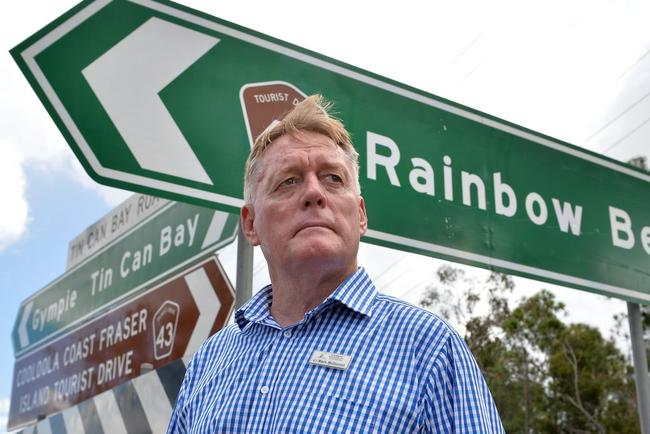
(363, 216)
(247, 220)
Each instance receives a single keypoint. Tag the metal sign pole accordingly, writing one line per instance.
(640, 365)
(244, 270)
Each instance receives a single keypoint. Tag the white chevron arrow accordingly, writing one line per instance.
(208, 303)
(127, 80)
(23, 337)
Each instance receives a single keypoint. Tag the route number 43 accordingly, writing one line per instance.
(164, 329)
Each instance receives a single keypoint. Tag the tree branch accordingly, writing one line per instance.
(594, 422)
(577, 403)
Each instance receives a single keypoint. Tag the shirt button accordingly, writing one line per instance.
(264, 390)
(287, 333)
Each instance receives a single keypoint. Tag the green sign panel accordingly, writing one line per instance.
(175, 236)
(159, 98)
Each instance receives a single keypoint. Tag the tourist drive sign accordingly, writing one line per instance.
(163, 324)
(170, 239)
(159, 98)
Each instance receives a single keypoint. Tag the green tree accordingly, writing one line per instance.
(546, 376)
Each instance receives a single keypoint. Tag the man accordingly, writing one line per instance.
(319, 350)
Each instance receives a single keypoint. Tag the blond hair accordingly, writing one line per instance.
(312, 114)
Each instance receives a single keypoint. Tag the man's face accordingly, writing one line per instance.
(305, 209)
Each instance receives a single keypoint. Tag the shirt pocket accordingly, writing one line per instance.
(320, 413)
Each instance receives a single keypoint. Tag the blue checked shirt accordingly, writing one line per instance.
(409, 372)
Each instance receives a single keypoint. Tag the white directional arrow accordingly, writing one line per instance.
(127, 80)
(208, 303)
(23, 337)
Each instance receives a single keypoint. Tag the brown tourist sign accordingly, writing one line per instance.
(262, 103)
(163, 324)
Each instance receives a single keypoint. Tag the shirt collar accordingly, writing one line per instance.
(357, 292)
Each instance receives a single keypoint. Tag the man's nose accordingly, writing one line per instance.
(313, 194)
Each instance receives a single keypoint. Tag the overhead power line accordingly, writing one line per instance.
(629, 133)
(467, 48)
(387, 269)
(630, 107)
(636, 62)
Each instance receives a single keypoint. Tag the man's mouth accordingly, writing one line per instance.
(311, 225)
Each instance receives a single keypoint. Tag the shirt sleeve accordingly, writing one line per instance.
(456, 397)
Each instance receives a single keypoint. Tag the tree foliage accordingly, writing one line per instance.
(546, 376)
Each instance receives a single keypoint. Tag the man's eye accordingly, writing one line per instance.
(288, 181)
(333, 177)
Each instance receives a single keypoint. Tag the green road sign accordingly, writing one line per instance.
(158, 98)
(119, 220)
(162, 244)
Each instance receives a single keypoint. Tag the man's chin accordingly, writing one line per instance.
(317, 250)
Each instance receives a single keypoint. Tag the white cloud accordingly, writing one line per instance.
(112, 196)
(13, 218)
(4, 414)
(28, 137)
(27, 134)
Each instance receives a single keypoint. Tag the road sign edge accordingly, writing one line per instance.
(483, 261)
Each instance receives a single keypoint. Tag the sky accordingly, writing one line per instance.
(578, 71)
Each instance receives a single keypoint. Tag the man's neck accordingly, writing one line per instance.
(296, 294)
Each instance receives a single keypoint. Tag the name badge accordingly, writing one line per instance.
(330, 360)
